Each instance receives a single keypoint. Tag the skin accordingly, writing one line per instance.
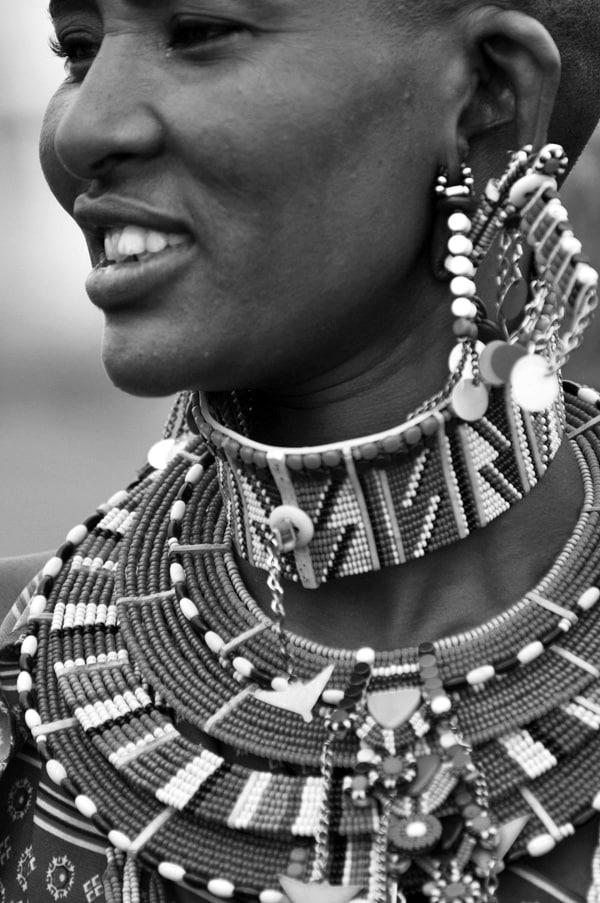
(298, 143)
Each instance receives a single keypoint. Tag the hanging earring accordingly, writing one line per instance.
(564, 287)
(469, 396)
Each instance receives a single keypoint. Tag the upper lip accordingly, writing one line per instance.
(97, 216)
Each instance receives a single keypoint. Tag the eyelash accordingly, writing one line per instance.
(79, 50)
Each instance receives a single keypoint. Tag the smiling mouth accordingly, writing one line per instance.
(134, 244)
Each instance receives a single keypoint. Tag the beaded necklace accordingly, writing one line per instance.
(383, 499)
(158, 691)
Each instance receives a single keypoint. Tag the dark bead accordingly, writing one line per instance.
(455, 683)
(262, 677)
(26, 663)
(312, 461)
(363, 669)
(246, 895)
(174, 530)
(46, 586)
(26, 700)
(426, 649)
(583, 817)
(69, 787)
(101, 823)
(452, 829)
(65, 551)
(551, 636)
(294, 462)
(185, 493)
(92, 522)
(506, 664)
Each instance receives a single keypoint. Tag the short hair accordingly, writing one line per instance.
(575, 27)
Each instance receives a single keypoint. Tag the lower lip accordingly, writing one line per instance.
(117, 284)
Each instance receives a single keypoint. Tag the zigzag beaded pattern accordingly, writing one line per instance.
(113, 656)
(458, 477)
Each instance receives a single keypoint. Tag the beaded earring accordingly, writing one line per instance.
(469, 395)
(524, 204)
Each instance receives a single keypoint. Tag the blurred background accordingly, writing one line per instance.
(67, 438)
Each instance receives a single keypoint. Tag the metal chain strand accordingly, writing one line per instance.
(321, 863)
(277, 607)
(175, 423)
(379, 887)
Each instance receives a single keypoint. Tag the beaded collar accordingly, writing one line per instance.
(383, 499)
(149, 676)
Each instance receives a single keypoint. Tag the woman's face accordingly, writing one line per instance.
(268, 162)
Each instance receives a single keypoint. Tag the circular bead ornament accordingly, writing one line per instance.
(415, 834)
(534, 386)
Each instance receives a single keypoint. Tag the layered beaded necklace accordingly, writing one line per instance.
(161, 696)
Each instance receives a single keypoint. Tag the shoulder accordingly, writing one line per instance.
(15, 574)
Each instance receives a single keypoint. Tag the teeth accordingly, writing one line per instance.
(133, 241)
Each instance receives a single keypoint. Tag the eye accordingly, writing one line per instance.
(78, 49)
(199, 34)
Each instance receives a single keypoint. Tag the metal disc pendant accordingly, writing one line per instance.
(470, 400)
(534, 386)
(497, 360)
(161, 453)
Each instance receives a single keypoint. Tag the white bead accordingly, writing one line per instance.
(53, 567)
(85, 806)
(589, 598)
(281, 683)
(56, 771)
(77, 534)
(530, 653)
(596, 802)
(586, 275)
(588, 395)
(366, 655)
(243, 666)
(480, 675)
(171, 872)
(540, 845)
(440, 705)
(460, 266)
(194, 474)
(32, 719)
(271, 896)
(464, 307)
(178, 510)
(119, 498)
(119, 841)
(460, 245)
(222, 888)
(534, 386)
(214, 641)
(177, 573)
(366, 755)
(24, 682)
(188, 609)
(459, 222)
(29, 646)
(37, 606)
(462, 286)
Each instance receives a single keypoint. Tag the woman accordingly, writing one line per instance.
(277, 203)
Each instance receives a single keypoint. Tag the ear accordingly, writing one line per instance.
(517, 72)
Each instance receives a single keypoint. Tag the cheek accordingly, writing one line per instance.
(62, 184)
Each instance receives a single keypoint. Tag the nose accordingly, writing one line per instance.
(111, 115)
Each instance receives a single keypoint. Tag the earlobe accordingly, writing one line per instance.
(518, 69)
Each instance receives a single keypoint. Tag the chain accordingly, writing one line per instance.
(274, 584)
(319, 870)
(509, 269)
(380, 890)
